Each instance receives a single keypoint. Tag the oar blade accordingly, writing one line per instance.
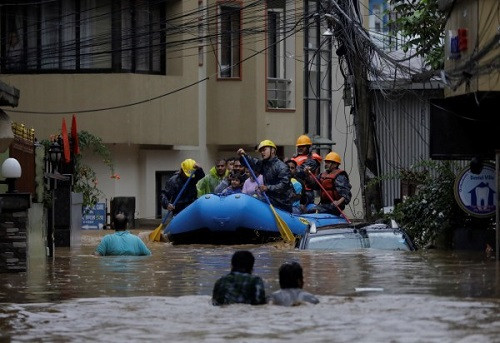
(155, 236)
(283, 228)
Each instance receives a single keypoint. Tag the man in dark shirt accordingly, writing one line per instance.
(240, 286)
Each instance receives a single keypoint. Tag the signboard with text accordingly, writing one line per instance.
(94, 218)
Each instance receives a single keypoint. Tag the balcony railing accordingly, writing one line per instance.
(279, 93)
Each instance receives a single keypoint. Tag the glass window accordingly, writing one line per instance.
(390, 240)
(280, 66)
(318, 75)
(95, 34)
(68, 35)
(83, 36)
(229, 40)
(14, 50)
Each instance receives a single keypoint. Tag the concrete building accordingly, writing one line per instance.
(168, 80)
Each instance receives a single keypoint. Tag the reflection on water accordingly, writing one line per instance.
(161, 296)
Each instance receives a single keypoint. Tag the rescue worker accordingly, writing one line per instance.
(275, 173)
(216, 174)
(336, 182)
(307, 158)
(189, 168)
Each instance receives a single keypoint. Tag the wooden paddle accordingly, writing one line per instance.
(155, 236)
(283, 228)
(328, 195)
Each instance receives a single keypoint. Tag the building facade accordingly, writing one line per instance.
(161, 81)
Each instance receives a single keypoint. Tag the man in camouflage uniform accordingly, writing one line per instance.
(240, 286)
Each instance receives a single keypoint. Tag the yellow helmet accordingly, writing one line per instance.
(303, 140)
(187, 166)
(333, 156)
(266, 142)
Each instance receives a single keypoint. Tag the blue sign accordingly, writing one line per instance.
(476, 193)
(94, 218)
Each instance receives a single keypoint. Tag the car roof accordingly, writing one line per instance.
(362, 227)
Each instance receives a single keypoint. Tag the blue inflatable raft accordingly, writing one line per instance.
(237, 219)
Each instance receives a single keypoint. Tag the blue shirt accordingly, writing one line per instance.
(297, 186)
(122, 243)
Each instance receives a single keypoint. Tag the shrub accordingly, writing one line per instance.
(431, 214)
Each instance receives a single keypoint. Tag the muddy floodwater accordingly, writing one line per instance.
(365, 296)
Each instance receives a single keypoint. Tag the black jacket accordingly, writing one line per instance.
(276, 175)
(174, 185)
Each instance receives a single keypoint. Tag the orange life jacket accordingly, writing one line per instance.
(299, 159)
(328, 182)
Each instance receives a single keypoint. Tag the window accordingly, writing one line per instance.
(276, 44)
(318, 74)
(280, 69)
(83, 36)
(229, 47)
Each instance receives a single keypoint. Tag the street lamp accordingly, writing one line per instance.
(55, 153)
(11, 170)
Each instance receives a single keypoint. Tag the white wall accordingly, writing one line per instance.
(136, 168)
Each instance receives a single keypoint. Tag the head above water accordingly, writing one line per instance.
(242, 261)
(291, 275)
(120, 222)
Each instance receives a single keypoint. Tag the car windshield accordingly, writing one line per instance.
(335, 242)
(385, 240)
(390, 240)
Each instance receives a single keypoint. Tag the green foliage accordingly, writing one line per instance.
(422, 24)
(85, 181)
(432, 213)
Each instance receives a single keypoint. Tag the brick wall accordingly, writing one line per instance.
(13, 226)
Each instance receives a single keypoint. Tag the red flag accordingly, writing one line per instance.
(65, 139)
(74, 136)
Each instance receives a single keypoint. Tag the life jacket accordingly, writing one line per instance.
(299, 159)
(327, 180)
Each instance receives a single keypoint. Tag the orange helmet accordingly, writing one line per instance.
(333, 156)
(303, 140)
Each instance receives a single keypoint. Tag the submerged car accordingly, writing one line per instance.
(345, 237)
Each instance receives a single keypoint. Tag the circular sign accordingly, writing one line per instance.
(476, 193)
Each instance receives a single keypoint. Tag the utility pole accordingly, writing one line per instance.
(357, 56)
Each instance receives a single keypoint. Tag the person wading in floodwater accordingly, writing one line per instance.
(240, 286)
(122, 242)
